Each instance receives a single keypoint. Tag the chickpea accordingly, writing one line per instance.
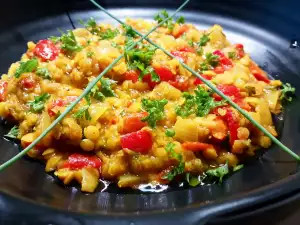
(87, 145)
(242, 133)
(91, 132)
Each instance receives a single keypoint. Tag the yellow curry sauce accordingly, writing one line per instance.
(148, 120)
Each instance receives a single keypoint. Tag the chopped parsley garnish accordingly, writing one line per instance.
(155, 108)
(106, 87)
(26, 67)
(97, 94)
(140, 58)
(37, 105)
(90, 54)
(238, 167)
(69, 43)
(109, 34)
(219, 172)
(159, 17)
(13, 133)
(200, 104)
(91, 26)
(170, 133)
(232, 55)
(179, 169)
(43, 73)
(84, 110)
(54, 39)
(287, 92)
(203, 40)
(210, 62)
(129, 32)
(104, 91)
(190, 43)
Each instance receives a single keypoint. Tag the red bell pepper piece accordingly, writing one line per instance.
(133, 122)
(140, 141)
(198, 81)
(164, 73)
(224, 62)
(132, 75)
(46, 50)
(180, 83)
(187, 49)
(233, 125)
(79, 161)
(183, 28)
(258, 73)
(196, 146)
(60, 103)
(3, 88)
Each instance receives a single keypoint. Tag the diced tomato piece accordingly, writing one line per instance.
(219, 53)
(164, 73)
(114, 121)
(140, 141)
(233, 125)
(198, 81)
(180, 83)
(3, 87)
(187, 49)
(133, 122)
(183, 28)
(258, 73)
(28, 83)
(239, 46)
(132, 75)
(179, 55)
(46, 50)
(196, 146)
(148, 80)
(79, 161)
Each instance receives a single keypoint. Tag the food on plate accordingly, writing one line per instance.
(148, 120)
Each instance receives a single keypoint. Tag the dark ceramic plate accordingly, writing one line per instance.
(269, 177)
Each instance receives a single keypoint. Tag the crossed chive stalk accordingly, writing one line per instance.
(97, 79)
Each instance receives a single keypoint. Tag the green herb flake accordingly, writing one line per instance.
(13, 133)
(232, 55)
(43, 73)
(91, 26)
(212, 59)
(219, 172)
(204, 39)
(155, 108)
(238, 167)
(37, 105)
(179, 169)
(159, 17)
(106, 89)
(287, 92)
(83, 112)
(26, 67)
(97, 94)
(140, 59)
(108, 34)
(129, 32)
(69, 43)
(90, 54)
(200, 104)
(54, 39)
(170, 132)
(190, 43)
